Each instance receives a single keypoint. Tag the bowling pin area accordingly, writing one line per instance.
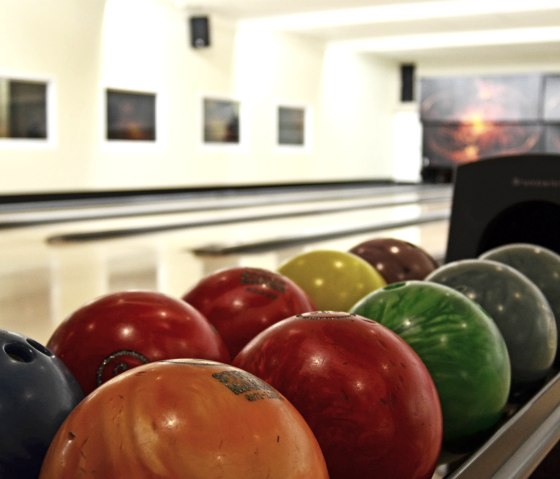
(59, 253)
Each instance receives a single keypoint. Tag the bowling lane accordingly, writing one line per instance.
(42, 282)
(28, 211)
(46, 272)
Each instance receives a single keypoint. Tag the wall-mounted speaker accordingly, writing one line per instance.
(200, 31)
(407, 82)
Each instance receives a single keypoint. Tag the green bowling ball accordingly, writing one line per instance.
(460, 345)
(519, 309)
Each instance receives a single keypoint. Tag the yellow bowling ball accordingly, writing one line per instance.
(334, 280)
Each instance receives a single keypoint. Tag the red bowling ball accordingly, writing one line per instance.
(241, 302)
(123, 330)
(366, 395)
(395, 259)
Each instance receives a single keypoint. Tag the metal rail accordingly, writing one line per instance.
(519, 446)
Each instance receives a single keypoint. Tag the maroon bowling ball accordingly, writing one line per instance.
(123, 330)
(366, 395)
(242, 301)
(395, 259)
(37, 394)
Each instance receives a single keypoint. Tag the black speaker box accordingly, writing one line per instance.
(510, 199)
(200, 31)
(407, 82)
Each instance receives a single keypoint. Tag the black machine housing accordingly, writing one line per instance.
(502, 200)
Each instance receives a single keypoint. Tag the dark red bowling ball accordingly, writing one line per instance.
(122, 330)
(366, 395)
(395, 259)
(38, 392)
(242, 301)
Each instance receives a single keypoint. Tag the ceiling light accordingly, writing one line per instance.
(399, 13)
(452, 39)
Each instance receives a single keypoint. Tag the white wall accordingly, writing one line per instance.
(357, 128)
(143, 45)
(57, 41)
(359, 94)
(407, 143)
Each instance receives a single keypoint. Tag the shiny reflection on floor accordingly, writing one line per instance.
(25, 300)
(41, 284)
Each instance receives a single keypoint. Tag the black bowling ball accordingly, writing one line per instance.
(37, 392)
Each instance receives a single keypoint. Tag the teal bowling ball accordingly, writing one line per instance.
(460, 345)
(541, 265)
(519, 309)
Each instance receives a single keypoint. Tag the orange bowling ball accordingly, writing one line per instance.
(184, 419)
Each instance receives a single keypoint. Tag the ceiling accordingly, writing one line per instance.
(523, 31)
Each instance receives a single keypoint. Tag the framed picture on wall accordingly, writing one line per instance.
(23, 109)
(221, 121)
(131, 115)
(552, 138)
(291, 126)
(551, 107)
(451, 144)
(491, 98)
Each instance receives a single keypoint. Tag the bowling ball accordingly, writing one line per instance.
(364, 392)
(461, 346)
(519, 309)
(541, 265)
(38, 392)
(240, 302)
(334, 280)
(185, 418)
(395, 259)
(122, 330)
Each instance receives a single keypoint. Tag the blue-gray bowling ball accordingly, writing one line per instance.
(519, 309)
(37, 392)
(541, 265)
